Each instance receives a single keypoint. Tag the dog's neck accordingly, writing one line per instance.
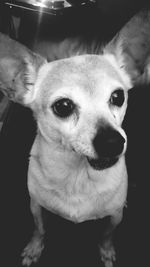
(66, 184)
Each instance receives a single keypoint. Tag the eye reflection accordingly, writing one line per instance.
(117, 98)
(63, 107)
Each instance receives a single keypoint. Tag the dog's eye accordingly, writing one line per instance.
(63, 107)
(117, 98)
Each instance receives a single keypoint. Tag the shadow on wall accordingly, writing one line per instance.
(101, 21)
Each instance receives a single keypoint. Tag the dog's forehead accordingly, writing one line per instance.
(86, 71)
(85, 65)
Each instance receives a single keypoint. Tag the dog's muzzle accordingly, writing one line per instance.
(108, 145)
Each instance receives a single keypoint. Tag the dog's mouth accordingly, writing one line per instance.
(102, 163)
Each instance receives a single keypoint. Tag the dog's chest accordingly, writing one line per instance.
(77, 195)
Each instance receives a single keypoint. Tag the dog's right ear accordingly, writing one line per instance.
(131, 48)
(18, 69)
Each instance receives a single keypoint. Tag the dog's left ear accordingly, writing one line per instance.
(18, 69)
(131, 48)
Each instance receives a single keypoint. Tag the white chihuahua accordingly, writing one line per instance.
(77, 164)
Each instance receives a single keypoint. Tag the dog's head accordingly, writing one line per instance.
(79, 103)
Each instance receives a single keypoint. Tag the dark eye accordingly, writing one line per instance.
(117, 98)
(63, 107)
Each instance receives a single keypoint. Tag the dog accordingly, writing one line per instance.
(77, 163)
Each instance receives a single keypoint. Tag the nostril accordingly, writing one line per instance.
(115, 138)
(108, 143)
(115, 144)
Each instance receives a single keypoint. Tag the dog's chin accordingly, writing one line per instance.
(102, 163)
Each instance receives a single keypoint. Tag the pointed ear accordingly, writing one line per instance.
(131, 47)
(18, 69)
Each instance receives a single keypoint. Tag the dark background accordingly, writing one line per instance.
(69, 244)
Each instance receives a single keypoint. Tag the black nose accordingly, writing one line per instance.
(108, 142)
